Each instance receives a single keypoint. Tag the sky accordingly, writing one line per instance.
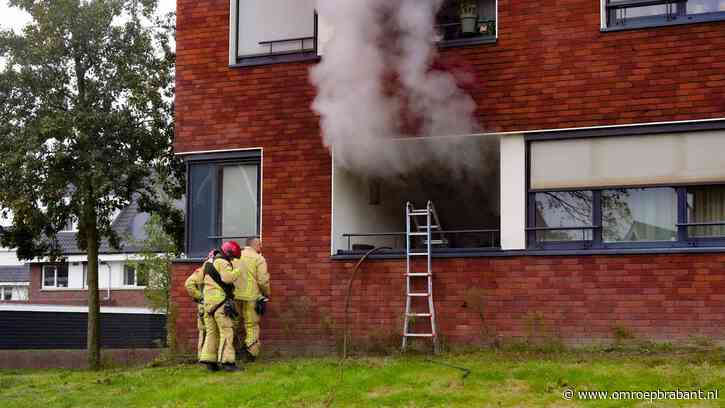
(11, 17)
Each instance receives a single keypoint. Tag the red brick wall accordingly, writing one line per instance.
(577, 299)
(120, 298)
(551, 68)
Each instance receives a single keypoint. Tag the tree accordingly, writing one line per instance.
(85, 126)
(158, 251)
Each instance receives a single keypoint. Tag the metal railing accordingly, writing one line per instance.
(453, 31)
(584, 230)
(455, 239)
(302, 40)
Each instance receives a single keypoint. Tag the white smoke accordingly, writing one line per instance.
(376, 70)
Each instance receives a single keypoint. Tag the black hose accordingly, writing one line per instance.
(349, 292)
(466, 371)
(356, 268)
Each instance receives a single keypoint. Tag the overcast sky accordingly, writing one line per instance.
(11, 17)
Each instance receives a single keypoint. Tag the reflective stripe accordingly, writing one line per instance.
(247, 288)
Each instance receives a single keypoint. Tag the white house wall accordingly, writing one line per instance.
(352, 212)
(8, 257)
(513, 192)
(115, 276)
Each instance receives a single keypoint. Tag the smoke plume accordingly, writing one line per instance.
(376, 83)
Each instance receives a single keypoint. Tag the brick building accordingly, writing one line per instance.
(44, 304)
(605, 208)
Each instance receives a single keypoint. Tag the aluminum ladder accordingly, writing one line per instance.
(415, 228)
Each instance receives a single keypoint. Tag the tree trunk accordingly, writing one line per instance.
(94, 308)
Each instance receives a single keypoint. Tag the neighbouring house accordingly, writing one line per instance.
(601, 205)
(55, 295)
(14, 283)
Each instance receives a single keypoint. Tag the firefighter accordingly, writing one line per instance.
(219, 275)
(252, 290)
(194, 287)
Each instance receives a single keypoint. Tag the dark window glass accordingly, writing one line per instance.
(129, 276)
(631, 215)
(49, 276)
(202, 208)
(466, 19)
(62, 276)
(8, 293)
(706, 205)
(224, 203)
(570, 209)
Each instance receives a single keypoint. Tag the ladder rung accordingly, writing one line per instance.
(419, 274)
(436, 241)
(418, 212)
(418, 233)
(419, 314)
(420, 227)
(417, 294)
(418, 253)
(418, 334)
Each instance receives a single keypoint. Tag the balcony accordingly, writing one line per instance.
(466, 22)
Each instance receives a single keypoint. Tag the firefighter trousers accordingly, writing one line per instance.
(219, 340)
(200, 325)
(251, 328)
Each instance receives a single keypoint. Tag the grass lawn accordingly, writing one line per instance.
(497, 378)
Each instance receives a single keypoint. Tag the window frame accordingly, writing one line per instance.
(3, 291)
(639, 22)
(236, 60)
(463, 42)
(218, 161)
(682, 223)
(135, 283)
(56, 268)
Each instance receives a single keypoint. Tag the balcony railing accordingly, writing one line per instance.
(454, 240)
(301, 40)
(447, 33)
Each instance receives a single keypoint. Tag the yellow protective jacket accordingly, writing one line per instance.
(253, 280)
(213, 293)
(195, 284)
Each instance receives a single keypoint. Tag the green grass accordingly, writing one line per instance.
(498, 378)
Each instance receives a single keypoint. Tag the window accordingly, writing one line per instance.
(266, 31)
(626, 213)
(644, 214)
(628, 218)
(132, 277)
(13, 293)
(223, 202)
(563, 216)
(55, 276)
(706, 212)
(643, 13)
(7, 292)
(466, 21)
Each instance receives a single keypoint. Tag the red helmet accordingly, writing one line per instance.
(231, 249)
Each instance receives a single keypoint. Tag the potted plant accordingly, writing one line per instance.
(468, 11)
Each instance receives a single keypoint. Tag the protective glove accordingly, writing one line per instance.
(260, 306)
(212, 254)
